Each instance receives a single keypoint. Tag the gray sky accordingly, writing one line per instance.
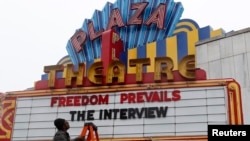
(34, 33)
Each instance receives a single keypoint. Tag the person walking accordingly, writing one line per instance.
(62, 134)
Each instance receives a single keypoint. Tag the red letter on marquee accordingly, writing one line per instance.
(53, 101)
(176, 95)
(123, 97)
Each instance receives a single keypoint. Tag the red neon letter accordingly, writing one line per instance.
(136, 19)
(78, 40)
(115, 19)
(157, 16)
(92, 34)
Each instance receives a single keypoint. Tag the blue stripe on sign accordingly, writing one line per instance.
(182, 45)
(204, 33)
(161, 48)
(141, 53)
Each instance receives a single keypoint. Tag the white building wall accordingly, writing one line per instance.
(228, 56)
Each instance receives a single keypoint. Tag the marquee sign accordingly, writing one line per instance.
(130, 42)
(131, 70)
(125, 98)
(132, 20)
(132, 112)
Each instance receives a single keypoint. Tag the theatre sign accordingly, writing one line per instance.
(131, 71)
(181, 110)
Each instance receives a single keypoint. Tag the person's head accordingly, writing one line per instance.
(61, 124)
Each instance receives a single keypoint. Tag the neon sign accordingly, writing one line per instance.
(157, 17)
(116, 69)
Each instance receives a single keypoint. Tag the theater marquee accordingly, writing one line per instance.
(131, 70)
(156, 110)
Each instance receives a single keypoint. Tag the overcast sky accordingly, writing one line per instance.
(34, 33)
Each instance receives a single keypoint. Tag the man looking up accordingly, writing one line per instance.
(62, 126)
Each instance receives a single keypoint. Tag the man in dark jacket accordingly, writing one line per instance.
(62, 126)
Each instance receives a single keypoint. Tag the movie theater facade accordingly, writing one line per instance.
(138, 72)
